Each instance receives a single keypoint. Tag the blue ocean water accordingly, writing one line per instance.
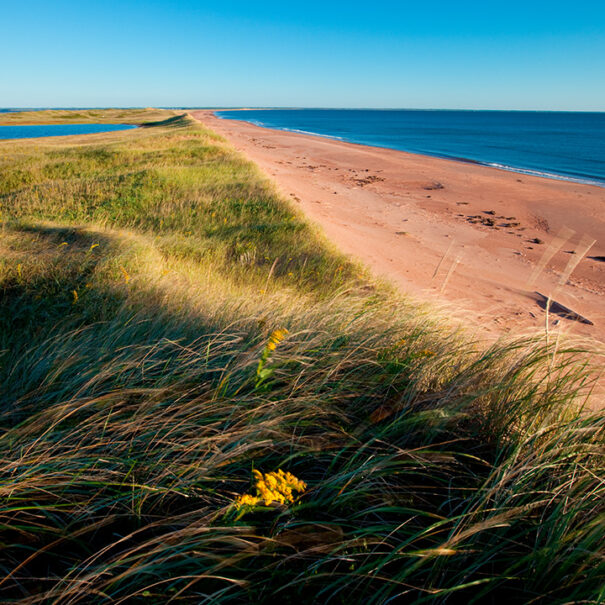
(57, 130)
(567, 145)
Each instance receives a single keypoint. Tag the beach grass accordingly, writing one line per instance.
(170, 327)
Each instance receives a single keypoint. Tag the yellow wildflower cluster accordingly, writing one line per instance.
(272, 487)
(276, 337)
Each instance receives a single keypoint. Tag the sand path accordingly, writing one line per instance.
(466, 234)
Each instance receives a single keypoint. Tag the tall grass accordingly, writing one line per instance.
(143, 277)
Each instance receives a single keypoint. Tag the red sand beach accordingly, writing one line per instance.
(463, 233)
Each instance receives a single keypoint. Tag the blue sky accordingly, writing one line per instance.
(455, 54)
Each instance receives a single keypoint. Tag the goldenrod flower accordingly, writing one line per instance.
(274, 487)
(276, 337)
(75, 294)
(125, 273)
(246, 500)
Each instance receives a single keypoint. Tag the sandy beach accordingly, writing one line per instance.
(496, 244)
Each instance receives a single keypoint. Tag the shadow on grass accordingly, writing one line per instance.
(72, 301)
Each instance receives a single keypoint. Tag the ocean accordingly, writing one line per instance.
(559, 145)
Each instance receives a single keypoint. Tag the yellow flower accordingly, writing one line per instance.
(75, 294)
(92, 247)
(262, 373)
(245, 500)
(125, 274)
(274, 487)
(276, 337)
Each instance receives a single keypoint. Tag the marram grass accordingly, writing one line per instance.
(202, 402)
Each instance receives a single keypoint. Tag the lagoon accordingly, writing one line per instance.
(57, 130)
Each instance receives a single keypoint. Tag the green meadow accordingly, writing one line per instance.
(173, 333)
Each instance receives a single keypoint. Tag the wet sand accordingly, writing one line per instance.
(466, 234)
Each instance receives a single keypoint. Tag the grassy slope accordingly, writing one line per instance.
(141, 276)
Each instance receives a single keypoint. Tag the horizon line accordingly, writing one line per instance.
(292, 107)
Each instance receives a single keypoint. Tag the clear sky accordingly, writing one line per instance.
(515, 54)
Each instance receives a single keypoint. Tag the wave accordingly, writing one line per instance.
(315, 134)
(543, 174)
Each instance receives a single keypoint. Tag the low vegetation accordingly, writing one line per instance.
(202, 401)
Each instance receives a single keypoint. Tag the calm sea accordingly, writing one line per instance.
(57, 130)
(563, 145)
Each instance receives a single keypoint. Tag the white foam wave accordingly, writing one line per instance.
(540, 173)
(315, 134)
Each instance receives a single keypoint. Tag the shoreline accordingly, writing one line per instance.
(445, 230)
(578, 179)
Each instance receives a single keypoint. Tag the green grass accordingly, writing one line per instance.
(142, 274)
